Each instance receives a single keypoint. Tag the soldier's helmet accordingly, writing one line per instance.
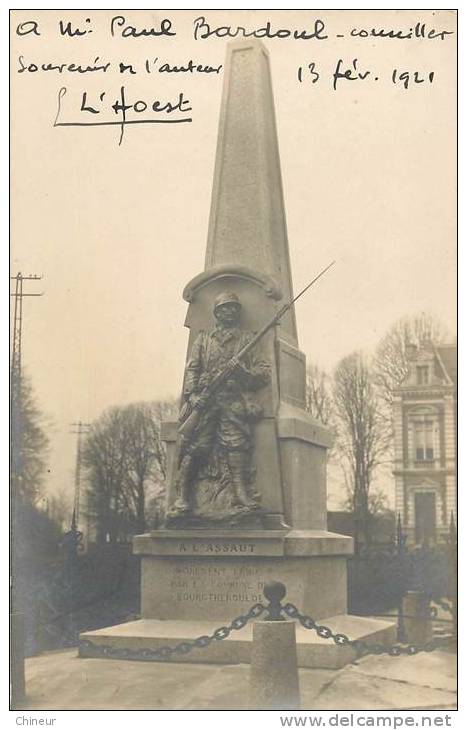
(226, 297)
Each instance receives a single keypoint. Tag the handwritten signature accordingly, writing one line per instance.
(120, 107)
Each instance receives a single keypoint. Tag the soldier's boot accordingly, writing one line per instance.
(181, 504)
(237, 461)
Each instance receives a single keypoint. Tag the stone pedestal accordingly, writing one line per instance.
(218, 574)
(194, 581)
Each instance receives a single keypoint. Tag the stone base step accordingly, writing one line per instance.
(312, 651)
(442, 632)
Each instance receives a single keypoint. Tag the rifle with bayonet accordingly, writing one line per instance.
(190, 424)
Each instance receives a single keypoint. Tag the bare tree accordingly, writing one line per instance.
(378, 502)
(319, 395)
(362, 434)
(390, 362)
(125, 462)
(104, 458)
(146, 465)
(59, 509)
(33, 446)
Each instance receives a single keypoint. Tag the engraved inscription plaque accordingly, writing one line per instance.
(210, 543)
(201, 584)
(214, 587)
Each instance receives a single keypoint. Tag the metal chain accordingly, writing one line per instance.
(442, 604)
(360, 646)
(167, 652)
(433, 614)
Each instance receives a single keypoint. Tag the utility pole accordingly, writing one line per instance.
(16, 467)
(82, 428)
(15, 378)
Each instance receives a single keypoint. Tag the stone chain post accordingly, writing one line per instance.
(274, 681)
(416, 609)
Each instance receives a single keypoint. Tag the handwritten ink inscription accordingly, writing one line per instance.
(361, 71)
(203, 29)
(121, 106)
(354, 71)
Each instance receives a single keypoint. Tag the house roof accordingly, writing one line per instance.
(444, 359)
(447, 354)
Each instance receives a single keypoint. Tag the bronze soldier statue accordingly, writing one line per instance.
(221, 445)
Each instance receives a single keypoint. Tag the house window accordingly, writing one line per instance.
(422, 374)
(424, 440)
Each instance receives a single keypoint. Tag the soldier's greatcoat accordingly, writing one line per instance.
(226, 421)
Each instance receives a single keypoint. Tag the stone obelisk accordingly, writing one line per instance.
(248, 253)
(194, 577)
(247, 224)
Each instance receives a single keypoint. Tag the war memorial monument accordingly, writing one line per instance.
(246, 486)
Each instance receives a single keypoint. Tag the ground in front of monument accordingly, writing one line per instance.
(61, 681)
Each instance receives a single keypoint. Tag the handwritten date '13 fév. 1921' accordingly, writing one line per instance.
(355, 71)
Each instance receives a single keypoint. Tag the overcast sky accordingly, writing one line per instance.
(369, 174)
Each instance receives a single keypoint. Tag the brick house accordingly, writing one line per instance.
(424, 413)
